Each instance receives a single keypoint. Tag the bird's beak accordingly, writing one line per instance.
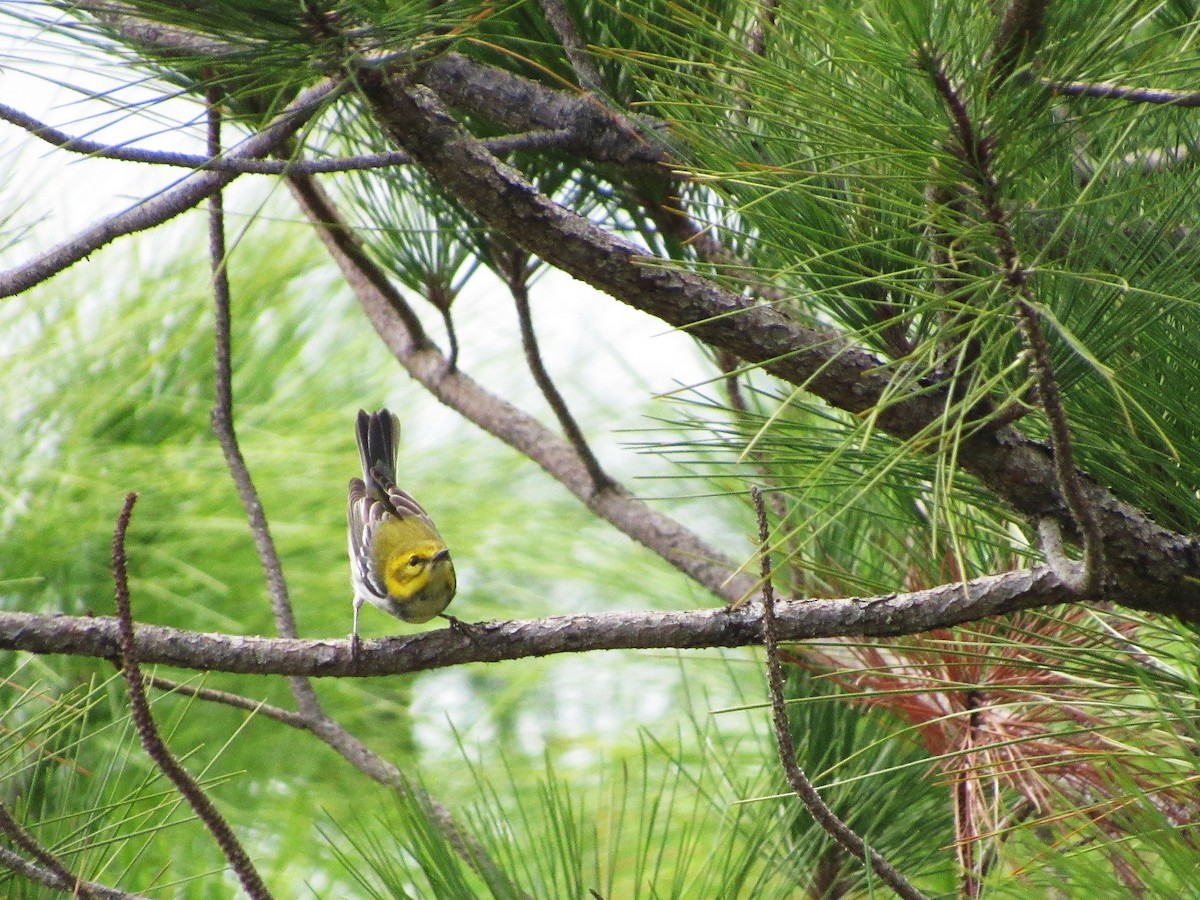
(440, 556)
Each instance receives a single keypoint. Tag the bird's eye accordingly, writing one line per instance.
(414, 561)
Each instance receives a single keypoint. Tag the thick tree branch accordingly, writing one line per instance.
(516, 275)
(589, 129)
(888, 614)
(821, 359)
(158, 37)
(519, 104)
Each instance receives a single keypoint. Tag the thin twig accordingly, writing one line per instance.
(223, 423)
(803, 788)
(1164, 96)
(39, 875)
(168, 204)
(509, 143)
(736, 397)
(226, 698)
(976, 153)
(967, 801)
(58, 874)
(442, 298)
(560, 21)
(147, 731)
(516, 273)
(355, 752)
(1089, 581)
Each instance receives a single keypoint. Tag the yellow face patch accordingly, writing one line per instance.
(420, 584)
(408, 572)
(415, 569)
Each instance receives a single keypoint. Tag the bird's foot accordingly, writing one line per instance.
(458, 626)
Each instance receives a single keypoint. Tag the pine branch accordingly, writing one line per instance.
(54, 872)
(976, 153)
(509, 143)
(887, 614)
(52, 879)
(170, 203)
(515, 276)
(825, 817)
(147, 731)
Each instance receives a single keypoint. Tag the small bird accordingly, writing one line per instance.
(398, 561)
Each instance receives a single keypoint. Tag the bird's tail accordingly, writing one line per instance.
(378, 437)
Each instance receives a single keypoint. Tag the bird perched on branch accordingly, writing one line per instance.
(398, 561)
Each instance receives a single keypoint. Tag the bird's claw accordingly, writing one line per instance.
(458, 626)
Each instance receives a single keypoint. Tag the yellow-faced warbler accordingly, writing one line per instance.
(398, 561)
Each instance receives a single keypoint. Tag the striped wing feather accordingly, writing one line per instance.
(375, 496)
